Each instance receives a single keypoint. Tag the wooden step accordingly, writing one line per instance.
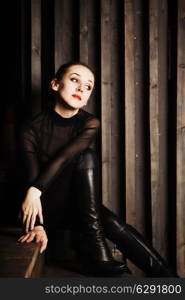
(16, 259)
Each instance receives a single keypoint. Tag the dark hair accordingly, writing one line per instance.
(63, 68)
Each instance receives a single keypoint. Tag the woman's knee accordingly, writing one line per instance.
(87, 159)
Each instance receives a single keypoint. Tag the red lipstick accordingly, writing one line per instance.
(76, 96)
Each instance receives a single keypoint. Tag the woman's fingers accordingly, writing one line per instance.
(44, 242)
(27, 237)
(23, 238)
(27, 223)
(30, 208)
(40, 215)
(39, 237)
(33, 219)
(30, 220)
(30, 237)
(24, 217)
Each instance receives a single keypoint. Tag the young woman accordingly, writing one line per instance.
(62, 187)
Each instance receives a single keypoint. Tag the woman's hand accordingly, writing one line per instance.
(31, 207)
(38, 234)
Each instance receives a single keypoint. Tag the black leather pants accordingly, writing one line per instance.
(127, 239)
(74, 202)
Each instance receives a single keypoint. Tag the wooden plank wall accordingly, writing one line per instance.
(136, 107)
(158, 123)
(36, 55)
(88, 28)
(106, 99)
(64, 34)
(129, 44)
(181, 140)
(112, 98)
(130, 99)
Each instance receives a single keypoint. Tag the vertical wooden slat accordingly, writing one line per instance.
(154, 109)
(23, 51)
(134, 117)
(84, 31)
(181, 140)
(140, 111)
(87, 48)
(117, 97)
(47, 66)
(106, 99)
(162, 206)
(130, 146)
(158, 115)
(25, 54)
(36, 55)
(64, 39)
(94, 50)
(93, 15)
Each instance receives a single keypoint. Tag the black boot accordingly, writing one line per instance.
(132, 244)
(92, 246)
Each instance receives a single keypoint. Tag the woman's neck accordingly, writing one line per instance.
(65, 112)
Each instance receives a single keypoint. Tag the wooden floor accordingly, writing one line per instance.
(16, 259)
(25, 260)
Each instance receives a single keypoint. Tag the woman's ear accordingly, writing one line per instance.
(54, 84)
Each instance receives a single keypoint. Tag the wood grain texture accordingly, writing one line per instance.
(158, 115)
(106, 100)
(64, 33)
(181, 140)
(36, 55)
(16, 259)
(134, 118)
(141, 105)
(130, 113)
(117, 100)
(87, 42)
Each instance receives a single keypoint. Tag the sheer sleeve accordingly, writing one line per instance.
(77, 145)
(28, 146)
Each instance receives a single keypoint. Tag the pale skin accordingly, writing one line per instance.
(73, 93)
(38, 234)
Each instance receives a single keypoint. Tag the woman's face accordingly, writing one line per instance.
(75, 87)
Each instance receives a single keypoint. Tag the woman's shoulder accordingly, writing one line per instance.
(88, 120)
(85, 115)
(35, 121)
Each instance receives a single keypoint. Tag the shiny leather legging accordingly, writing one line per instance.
(61, 209)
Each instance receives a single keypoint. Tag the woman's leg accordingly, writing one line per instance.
(57, 211)
(133, 245)
(56, 201)
(92, 244)
(128, 240)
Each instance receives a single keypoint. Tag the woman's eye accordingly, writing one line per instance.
(74, 79)
(88, 87)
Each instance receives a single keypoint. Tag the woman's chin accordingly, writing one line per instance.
(71, 105)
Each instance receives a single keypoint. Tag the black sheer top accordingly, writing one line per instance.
(49, 142)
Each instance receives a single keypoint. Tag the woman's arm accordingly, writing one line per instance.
(40, 181)
(28, 145)
(31, 206)
(67, 153)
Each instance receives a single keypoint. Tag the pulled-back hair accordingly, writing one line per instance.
(64, 68)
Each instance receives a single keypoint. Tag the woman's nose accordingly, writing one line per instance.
(80, 88)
